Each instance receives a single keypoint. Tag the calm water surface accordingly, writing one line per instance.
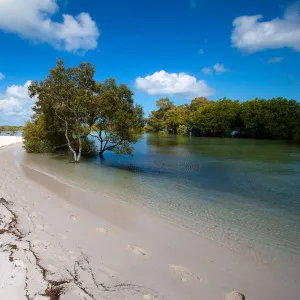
(10, 133)
(244, 194)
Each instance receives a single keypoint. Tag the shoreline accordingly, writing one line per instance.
(10, 140)
(266, 246)
(127, 244)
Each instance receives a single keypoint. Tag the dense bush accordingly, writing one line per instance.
(71, 106)
(34, 137)
(276, 118)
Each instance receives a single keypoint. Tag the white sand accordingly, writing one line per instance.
(58, 241)
(8, 140)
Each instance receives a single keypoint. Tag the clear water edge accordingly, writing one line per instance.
(243, 194)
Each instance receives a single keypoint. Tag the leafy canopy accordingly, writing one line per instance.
(71, 105)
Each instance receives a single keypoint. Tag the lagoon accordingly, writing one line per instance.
(243, 194)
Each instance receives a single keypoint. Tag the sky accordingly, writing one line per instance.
(179, 49)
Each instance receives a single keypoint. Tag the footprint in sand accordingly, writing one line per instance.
(102, 230)
(184, 272)
(74, 218)
(235, 295)
(108, 271)
(39, 245)
(138, 251)
(147, 297)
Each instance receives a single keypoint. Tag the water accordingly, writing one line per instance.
(10, 133)
(243, 194)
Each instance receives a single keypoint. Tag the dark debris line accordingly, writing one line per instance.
(55, 289)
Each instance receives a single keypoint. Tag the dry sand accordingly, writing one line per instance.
(58, 242)
(8, 140)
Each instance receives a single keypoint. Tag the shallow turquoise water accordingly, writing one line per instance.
(244, 194)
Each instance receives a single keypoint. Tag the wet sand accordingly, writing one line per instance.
(59, 241)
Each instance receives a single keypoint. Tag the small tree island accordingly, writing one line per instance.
(10, 129)
(71, 106)
(276, 118)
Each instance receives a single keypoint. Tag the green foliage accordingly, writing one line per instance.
(175, 117)
(156, 120)
(164, 104)
(89, 147)
(71, 105)
(216, 118)
(115, 120)
(198, 102)
(11, 129)
(35, 138)
(64, 98)
(276, 118)
(254, 116)
(182, 130)
(162, 132)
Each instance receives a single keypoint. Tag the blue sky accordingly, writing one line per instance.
(180, 48)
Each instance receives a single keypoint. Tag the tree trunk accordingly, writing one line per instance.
(75, 155)
(80, 147)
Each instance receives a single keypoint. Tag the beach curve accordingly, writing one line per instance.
(82, 263)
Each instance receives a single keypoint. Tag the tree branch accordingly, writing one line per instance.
(95, 136)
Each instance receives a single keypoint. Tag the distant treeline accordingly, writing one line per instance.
(10, 128)
(276, 118)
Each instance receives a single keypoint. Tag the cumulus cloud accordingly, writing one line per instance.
(31, 19)
(1, 76)
(219, 69)
(18, 91)
(251, 34)
(275, 60)
(15, 104)
(179, 84)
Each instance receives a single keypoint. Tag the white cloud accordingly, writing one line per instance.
(250, 34)
(220, 69)
(15, 104)
(18, 90)
(201, 51)
(1, 76)
(31, 19)
(275, 60)
(179, 84)
(207, 71)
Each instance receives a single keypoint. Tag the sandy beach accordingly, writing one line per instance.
(9, 140)
(61, 242)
